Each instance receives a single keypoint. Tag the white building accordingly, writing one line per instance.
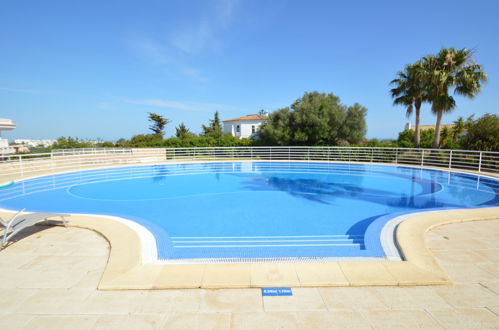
(35, 143)
(6, 125)
(244, 127)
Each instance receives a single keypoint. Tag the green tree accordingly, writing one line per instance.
(449, 70)
(71, 143)
(458, 129)
(445, 137)
(315, 119)
(278, 129)
(158, 123)
(409, 91)
(482, 134)
(354, 127)
(214, 129)
(181, 131)
(406, 138)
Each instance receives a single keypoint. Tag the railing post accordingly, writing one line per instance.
(450, 159)
(480, 163)
(270, 151)
(396, 155)
(289, 153)
(422, 157)
(21, 165)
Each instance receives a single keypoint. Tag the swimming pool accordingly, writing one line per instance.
(256, 210)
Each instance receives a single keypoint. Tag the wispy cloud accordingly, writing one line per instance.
(203, 33)
(151, 50)
(196, 36)
(178, 105)
(20, 90)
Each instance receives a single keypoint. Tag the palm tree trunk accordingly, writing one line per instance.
(436, 140)
(418, 130)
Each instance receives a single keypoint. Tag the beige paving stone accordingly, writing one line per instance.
(49, 301)
(360, 273)
(14, 261)
(461, 273)
(401, 319)
(111, 302)
(270, 321)
(346, 319)
(135, 321)
(83, 264)
(410, 297)
(12, 278)
(458, 257)
(186, 300)
(201, 321)
(476, 318)
(12, 298)
(492, 268)
(407, 274)
(493, 286)
(320, 274)
(227, 275)
(231, 300)
(51, 322)
(494, 310)
(276, 274)
(180, 276)
(61, 278)
(467, 295)
(492, 255)
(155, 302)
(14, 321)
(303, 299)
(140, 277)
(351, 298)
(72, 301)
(90, 280)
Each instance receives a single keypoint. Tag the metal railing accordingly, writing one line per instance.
(13, 167)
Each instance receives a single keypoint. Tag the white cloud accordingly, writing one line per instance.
(197, 36)
(19, 90)
(178, 105)
(194, 37)
(150, 49)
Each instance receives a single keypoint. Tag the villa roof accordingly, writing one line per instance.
(248, 117)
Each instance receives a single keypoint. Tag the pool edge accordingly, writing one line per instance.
(125, 269)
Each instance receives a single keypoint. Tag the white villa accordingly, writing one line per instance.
(6, 125)
(244, 127)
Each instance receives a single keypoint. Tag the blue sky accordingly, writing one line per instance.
(93, 69)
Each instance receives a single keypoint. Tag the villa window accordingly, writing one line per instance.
(238, 128)
(253, 130)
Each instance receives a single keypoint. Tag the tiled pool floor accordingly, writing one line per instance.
(48, 280)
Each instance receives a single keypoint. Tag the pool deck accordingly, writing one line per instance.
(49, 280)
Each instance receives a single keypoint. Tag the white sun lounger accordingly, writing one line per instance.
(20, 221)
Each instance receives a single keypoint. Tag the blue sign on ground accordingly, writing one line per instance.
(277, 292)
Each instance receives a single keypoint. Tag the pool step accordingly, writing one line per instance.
(190, 242)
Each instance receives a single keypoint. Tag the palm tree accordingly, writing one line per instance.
(409, 91)
(450, 69)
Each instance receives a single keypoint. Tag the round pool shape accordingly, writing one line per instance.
(256, 210)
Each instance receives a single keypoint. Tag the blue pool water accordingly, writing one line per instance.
(256, 209)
